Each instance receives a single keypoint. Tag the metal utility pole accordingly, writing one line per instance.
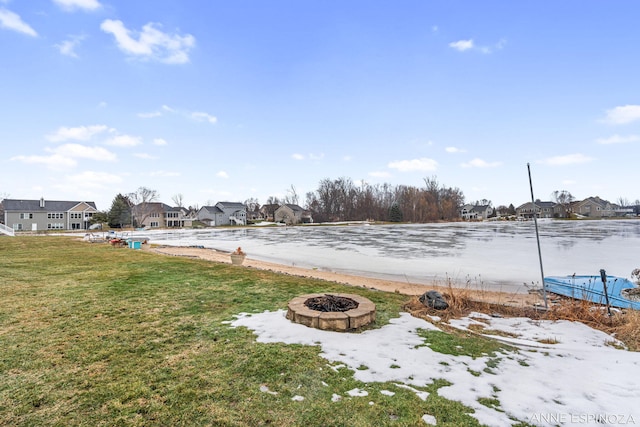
(535, 220)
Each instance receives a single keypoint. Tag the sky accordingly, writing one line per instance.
(227, 101)
(567, 373)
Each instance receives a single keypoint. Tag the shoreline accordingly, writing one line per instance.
(384, 285)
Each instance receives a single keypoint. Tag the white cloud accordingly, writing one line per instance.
(479, 163)
(64, 157)
(462, 45)
(68, 46)
(622, 115)
(160, 142)
(71, 5)
(569, 159)
(617, 139)
(124, 141)
(12, 21)
(222, 174)
(199, 116)
(163, 173)
(145, 156)
(455, 150)
(310, 156)
(82, 151)
(422, 164)
(380, 174)
(80, 133)
(91, 179)
(54, 162)
(490, 49)
(149, 115)
(202, 117)
(347, 158)
(151, 43)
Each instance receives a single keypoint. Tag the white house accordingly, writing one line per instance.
(223, 213)
(476, 212)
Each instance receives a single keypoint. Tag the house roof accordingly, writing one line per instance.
(232, 205)
(49, 205)
(480, 208)
(211, 209)
(159, 206)
(594, 200)
(293, 207)
(272, 206)
(539, 204)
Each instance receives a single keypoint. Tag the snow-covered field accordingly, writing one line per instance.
(563, 373)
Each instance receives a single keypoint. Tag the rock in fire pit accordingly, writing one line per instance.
(333, 312)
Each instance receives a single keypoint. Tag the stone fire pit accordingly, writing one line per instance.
(342, 312)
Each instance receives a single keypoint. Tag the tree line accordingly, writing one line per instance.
(334, 200)
(343, 200)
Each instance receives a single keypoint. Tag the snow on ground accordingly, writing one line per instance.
(562, 373)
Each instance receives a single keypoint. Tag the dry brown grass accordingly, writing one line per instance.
(623, 325)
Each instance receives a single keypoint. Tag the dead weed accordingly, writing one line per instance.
(624, 325)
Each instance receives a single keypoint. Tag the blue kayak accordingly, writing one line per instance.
(622, 292)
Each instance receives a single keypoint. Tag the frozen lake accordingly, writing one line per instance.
(489, 255)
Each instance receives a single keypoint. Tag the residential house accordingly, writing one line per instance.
(267, 211)
(161, 215)
(37, 215)
(562, 210)
(540, 209)
(254, 215)
(476, 212)
(292, 214)
(223, 213)
(594, 207)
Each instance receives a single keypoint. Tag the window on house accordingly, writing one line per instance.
(26, 216)
(155, 224)
(55, 226)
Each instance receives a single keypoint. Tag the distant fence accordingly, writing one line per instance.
(7, 230)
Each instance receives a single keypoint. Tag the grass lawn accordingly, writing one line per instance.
(94, 335)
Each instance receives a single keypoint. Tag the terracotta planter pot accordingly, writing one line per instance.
(237, 259)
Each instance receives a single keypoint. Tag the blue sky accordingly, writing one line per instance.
(244, 99)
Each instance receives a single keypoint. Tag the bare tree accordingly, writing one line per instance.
(252, 204)
(273, 200)
(623, 202)
(142, 203)
(564, 199)
(178, 200)
(292, 196)
(341, 199)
